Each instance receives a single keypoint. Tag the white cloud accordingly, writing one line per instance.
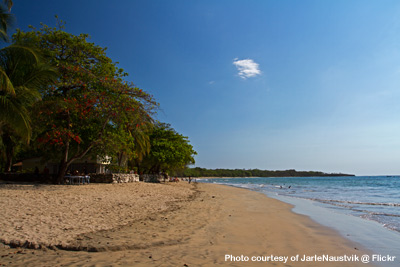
(247, 68)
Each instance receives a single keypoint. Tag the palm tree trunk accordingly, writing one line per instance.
(9, 149)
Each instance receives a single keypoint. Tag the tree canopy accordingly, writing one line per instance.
(80, 103)
(22, 72)
(169, 151)
(6, 19)
(91, 105)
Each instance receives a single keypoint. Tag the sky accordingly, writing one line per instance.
(268, 84)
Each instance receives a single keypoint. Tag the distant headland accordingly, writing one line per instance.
(203, 172)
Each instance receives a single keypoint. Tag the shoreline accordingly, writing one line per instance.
(373, 235)
(200, 229)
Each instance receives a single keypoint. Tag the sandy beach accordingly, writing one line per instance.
(175, 224)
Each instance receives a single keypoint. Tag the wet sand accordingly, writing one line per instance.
(176, 224)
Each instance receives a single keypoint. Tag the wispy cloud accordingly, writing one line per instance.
(247, 68)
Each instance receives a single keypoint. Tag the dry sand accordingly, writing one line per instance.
(157, 225)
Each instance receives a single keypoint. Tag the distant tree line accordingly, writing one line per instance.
(202, 172)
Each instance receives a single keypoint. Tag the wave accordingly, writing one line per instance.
(328, 201)
(383, 214)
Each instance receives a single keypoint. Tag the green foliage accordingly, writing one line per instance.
(23, 71)
(170, 151)
(117, 169)
(9, 4)
(83, 105)
(6, 19)
(90, 108)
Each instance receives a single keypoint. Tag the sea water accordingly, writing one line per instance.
(374, 198)
(370, 205)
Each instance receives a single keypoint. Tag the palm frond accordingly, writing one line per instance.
(9, 4)
(15, 115)
(5, 83)
(6, 21)
(22, 74)
(21, 52)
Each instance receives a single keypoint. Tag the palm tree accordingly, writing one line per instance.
(22, 73)
(6, 19)
(9, 4)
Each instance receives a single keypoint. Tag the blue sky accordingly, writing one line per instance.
(305, 85)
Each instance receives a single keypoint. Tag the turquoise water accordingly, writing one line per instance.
(375, 198)
(365, 209)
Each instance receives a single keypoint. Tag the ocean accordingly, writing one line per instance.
(375, 198)
(363, 209)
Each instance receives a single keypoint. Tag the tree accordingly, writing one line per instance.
(129, 144)
(90, 106)
(169, 151)
(6, 19)
(25, 73)
(22, 72)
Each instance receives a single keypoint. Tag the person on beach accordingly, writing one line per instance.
(190, 179)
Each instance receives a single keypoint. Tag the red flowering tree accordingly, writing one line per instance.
(91, 108)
